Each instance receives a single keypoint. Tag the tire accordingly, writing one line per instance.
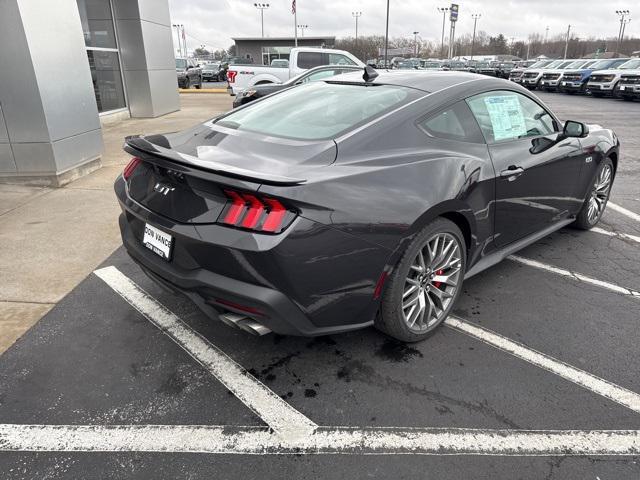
(586, 220)
(393, 313)
(199, 84)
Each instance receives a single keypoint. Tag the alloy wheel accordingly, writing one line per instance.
(599, 194)
(432, 282)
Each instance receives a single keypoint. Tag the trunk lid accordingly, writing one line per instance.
(183, 175)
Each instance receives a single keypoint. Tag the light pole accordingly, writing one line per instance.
(546, 34)
(415, 44)
(444, 11)
(475, 17)
(453, 18)
(356, 15)
(566, 44)
(623, 14)
(302, 28)
(262, 7)
(386, 40)
(180, 30)
(177, 27)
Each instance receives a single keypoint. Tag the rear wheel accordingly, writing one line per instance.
(597, 199)
(425, 284)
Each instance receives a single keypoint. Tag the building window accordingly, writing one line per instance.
(102, 50)
(272, 53)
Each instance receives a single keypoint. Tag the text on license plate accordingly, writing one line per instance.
(157, 241)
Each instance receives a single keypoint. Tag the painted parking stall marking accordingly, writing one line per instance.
(584, 379)
(325, 440)
(623, 211)
(576, 276)
(621, 236)
(275, 412)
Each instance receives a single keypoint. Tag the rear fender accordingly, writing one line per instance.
(464, 218)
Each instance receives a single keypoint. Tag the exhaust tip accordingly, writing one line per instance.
(254, 328)
(244, 323)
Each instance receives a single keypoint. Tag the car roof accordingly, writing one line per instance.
(428, 81)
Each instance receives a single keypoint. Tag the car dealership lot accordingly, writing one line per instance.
(99, 364)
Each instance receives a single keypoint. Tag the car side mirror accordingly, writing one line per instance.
(575, 129)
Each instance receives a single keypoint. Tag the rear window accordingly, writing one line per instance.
(318, 110)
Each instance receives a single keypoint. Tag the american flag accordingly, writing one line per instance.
(293, 7)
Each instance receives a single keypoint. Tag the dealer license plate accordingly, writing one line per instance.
(157, 241)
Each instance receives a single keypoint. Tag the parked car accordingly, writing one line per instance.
(531, 76)
(503, 69)
(630, 85)
(338, 205)
(280, 63)
(242, 77)
(457, 66)
(551, 79)
(311, 75)
(431, 65)
(576, 81)
(189, 73)
(483, 68)
(516, 74)
(212, 72)
(607, 82)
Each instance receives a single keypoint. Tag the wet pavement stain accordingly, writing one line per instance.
(395, 351)
(356, 370)
(310, 393)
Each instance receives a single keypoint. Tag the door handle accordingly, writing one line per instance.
(512, 171)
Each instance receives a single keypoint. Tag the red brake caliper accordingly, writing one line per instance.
(437, 284)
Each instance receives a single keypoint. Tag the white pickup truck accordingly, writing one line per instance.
(241, 77)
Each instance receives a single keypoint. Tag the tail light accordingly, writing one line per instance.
(253, 212)
(231, 76)
(131, 166)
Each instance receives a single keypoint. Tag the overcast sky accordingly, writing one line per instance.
(215, 22)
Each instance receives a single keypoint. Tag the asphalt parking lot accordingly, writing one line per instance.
(536, 375)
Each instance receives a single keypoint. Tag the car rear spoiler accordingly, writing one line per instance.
(135, 143)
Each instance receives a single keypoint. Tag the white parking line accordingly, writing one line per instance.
(586, 380)
(624, 211)
(576, 276)
(622, 236)
(275, 412)
(326, 440)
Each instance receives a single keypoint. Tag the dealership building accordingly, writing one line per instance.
(68, 66)
(261, 50)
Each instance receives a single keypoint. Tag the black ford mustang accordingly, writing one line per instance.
(359, 200)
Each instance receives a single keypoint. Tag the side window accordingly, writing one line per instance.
(506, 115)
(339, 59)
(454, 123)
(311, 59)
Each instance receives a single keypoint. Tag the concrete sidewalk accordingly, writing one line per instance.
(53, 238)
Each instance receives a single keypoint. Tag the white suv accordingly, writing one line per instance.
(606, 82)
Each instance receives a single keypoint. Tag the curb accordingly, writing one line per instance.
(202, 90)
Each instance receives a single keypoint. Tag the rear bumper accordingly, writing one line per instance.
(290, 283)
